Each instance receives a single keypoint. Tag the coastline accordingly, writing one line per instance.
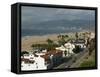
(27, 41)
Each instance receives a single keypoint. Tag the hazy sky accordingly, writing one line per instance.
(32, 16)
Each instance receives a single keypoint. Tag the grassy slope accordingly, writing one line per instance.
(89, 61)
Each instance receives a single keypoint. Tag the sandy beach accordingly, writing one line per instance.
(27, 41)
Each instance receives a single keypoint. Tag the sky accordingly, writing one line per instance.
(35, 17)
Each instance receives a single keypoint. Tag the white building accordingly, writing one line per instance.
(92, 35)
(41, 61)
(34, 63)
(80, 42)
(67, 49)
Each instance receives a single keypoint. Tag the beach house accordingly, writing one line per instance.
(67, 49)
(41, 60)
(33, 62)
(80, 43)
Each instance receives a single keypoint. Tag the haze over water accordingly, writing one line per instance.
(42, 21)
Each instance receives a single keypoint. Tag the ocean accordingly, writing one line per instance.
(57, 27)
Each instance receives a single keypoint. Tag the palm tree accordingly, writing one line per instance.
(49, 41)
(76, 35)
(84, 35)
(59, 36)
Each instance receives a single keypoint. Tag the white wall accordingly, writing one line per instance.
(5, 38)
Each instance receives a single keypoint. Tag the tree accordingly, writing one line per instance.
(49, 41)
(84, 35)
(24, 52)
(76, 49)
(66, 36)
(59, 36)
(62, 36)
(61, 42)
(76, 35)
(91, 46)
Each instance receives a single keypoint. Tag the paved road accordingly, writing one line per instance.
(73, 60)
(79, 61)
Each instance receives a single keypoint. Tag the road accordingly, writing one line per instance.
(74, 60)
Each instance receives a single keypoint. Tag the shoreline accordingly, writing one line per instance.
(27, 41)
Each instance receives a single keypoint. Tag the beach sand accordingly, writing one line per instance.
(29, 40)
